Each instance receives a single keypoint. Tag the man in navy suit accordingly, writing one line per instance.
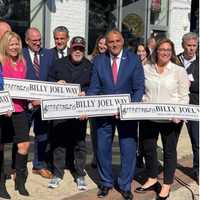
(116, 72)
(38, 62)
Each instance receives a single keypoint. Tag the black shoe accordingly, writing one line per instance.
(103, 191)
(93, 165)
(127, 195)
(156, 187)
(3, 192)
(21, 174)
(162, 198)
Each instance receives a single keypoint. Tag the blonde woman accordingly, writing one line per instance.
(14, 66)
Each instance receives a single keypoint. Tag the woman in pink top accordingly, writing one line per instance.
(14, 66)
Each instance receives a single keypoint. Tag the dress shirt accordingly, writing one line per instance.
(64, 53)
(32, 54)
(118, 60)
(171, 86)
(186, 62)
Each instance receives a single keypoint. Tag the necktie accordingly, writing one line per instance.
(36, 65)
(114, 69)
(62, 53)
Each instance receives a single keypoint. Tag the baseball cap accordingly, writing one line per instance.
(77, 41)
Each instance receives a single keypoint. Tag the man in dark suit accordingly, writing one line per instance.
(189, 61)
(193, 126)
(61, 37)
(38, 62)
(116, 72)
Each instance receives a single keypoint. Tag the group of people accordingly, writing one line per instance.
(148, 75)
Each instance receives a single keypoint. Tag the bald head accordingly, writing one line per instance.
(4, 27)
(33, 39)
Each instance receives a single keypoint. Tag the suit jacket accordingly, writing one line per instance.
(194, 87)
(130, 77)
(55, 53)
(46, 59)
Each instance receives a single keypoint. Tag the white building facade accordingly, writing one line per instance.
(137, 19)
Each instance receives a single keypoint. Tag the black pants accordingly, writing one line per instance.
(169, 135)
(193, 130)
(69, 134)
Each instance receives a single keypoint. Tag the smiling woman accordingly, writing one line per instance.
(14, 66)
(165, 82)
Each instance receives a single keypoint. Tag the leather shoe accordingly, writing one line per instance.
(127, 195)
(156, 187)
(162, 198)
(45, 173)
(103, 191)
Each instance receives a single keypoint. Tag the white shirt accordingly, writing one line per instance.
(171, 86)
(64, 53)
(186, 62)
(118, 59)
(32, 54)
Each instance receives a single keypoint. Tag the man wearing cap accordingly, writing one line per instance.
(74, 68)
(61, 38)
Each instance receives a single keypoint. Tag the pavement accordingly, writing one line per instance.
(184, 187)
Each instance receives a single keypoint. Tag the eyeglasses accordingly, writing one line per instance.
(165, 50)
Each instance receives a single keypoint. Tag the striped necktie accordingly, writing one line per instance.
(36, 65)
(114, 69)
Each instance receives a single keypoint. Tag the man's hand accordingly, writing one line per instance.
(35, 103)
(175, 120)
(82, 94)
(83, 117)
(61, 81)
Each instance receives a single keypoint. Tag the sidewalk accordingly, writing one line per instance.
(67, 190)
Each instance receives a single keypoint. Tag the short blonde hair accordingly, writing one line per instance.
(4, 42)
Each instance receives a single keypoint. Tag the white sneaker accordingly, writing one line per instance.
(81, 183)
(54, 182)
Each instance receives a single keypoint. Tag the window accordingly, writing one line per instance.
(101, 19)
(17, 14)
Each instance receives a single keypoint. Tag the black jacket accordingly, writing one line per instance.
(194, 88)
(65, 69)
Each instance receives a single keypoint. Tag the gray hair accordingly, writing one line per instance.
(190, 35)
(61, 29)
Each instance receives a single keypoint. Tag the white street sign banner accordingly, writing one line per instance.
(33, 90)
(92, 106)
(142, 111)
(5, 103)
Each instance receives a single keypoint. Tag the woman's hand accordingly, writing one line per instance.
(8, 114)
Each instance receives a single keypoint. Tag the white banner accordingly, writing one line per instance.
(5, 103)
(33, 90)
(142, 111)
(92, 106)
